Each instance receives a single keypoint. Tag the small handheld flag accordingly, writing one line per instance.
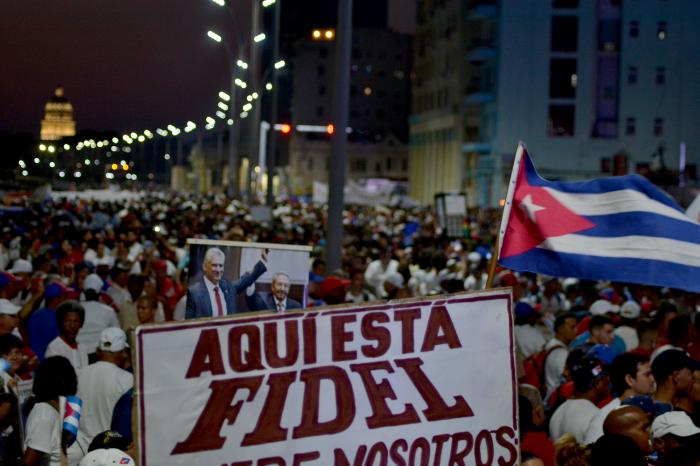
(4, 365)
(71, 415)
(621, 229)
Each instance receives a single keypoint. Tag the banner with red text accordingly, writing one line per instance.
(418, 382)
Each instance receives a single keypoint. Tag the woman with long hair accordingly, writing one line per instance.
(54, 378)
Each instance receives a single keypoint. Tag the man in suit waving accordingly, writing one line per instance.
(277, 299)
(214, 296)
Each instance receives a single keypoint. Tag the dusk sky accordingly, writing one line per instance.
(124, 65)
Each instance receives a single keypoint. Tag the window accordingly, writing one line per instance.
(561, 120)
(661, 30)
(658, 126)
(388, 164)
(562, 84)
(564, 34)
(321, 70)
(321, 90)
(660, 75)
(404, 164)
(632, 75)
(361, 165)
(634, 28)
(631, 126)
(378, 167)
(564, 3)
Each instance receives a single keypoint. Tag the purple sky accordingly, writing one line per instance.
(124, 65)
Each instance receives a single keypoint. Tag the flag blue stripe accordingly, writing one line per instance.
(642, 271)
(601, 185)
(642, 224)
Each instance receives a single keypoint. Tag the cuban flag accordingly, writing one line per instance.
(71, 416)
(621, 229)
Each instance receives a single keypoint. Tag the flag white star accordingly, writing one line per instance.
(530, 207)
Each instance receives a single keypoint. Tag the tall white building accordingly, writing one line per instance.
(593, 87)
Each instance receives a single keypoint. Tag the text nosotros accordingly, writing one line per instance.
(220, 408)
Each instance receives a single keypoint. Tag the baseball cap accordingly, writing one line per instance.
(630, 310)
(109, 439)
(523, 309)
(8, 308)
(671, 360)
(57, 289)
(677, 423)
(113, 340)
(106, 457)
(603, 306)
(21, 266)
(332, 283)
(93, 282)
(395, 279)
(7, 278)
(603, 352)
(586, 371)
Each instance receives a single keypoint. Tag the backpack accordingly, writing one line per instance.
(534, 366)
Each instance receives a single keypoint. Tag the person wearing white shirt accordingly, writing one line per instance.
(100, 386)
(627, 330)
(378, 270)
(528, 337)
(630, 375)
(557, 347)
(575, 415)
(98, 316)
(70, 317)
(54, 378)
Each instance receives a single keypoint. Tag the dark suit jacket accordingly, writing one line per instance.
(199, 304)
(266, 301)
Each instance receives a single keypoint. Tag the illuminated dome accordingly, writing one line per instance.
(58, 118)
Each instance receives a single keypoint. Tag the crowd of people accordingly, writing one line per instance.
(609, 372)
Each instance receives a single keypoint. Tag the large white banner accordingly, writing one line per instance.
(428, 382)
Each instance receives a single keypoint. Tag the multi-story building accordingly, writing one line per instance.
(379, 105)
(592, 87)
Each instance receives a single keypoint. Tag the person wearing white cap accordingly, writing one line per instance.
(22, 269)
(672, 429)
(9, 316)
(100, 385)
(106, 457)
(98, 316)
(627, 330)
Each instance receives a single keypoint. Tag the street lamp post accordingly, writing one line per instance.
(341, 101)
(272, 158)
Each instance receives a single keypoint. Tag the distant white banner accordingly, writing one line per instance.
(404, 383)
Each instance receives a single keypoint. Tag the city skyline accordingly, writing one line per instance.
(122, 69)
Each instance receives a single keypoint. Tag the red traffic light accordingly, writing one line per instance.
(286, 129)
(330, 129)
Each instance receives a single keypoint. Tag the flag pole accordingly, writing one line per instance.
(498, 243)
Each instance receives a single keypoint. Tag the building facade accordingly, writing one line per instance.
(58, 119)
(379, 106)
(593, 88)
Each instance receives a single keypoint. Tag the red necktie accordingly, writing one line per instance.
(218, 301)
(280, 307)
